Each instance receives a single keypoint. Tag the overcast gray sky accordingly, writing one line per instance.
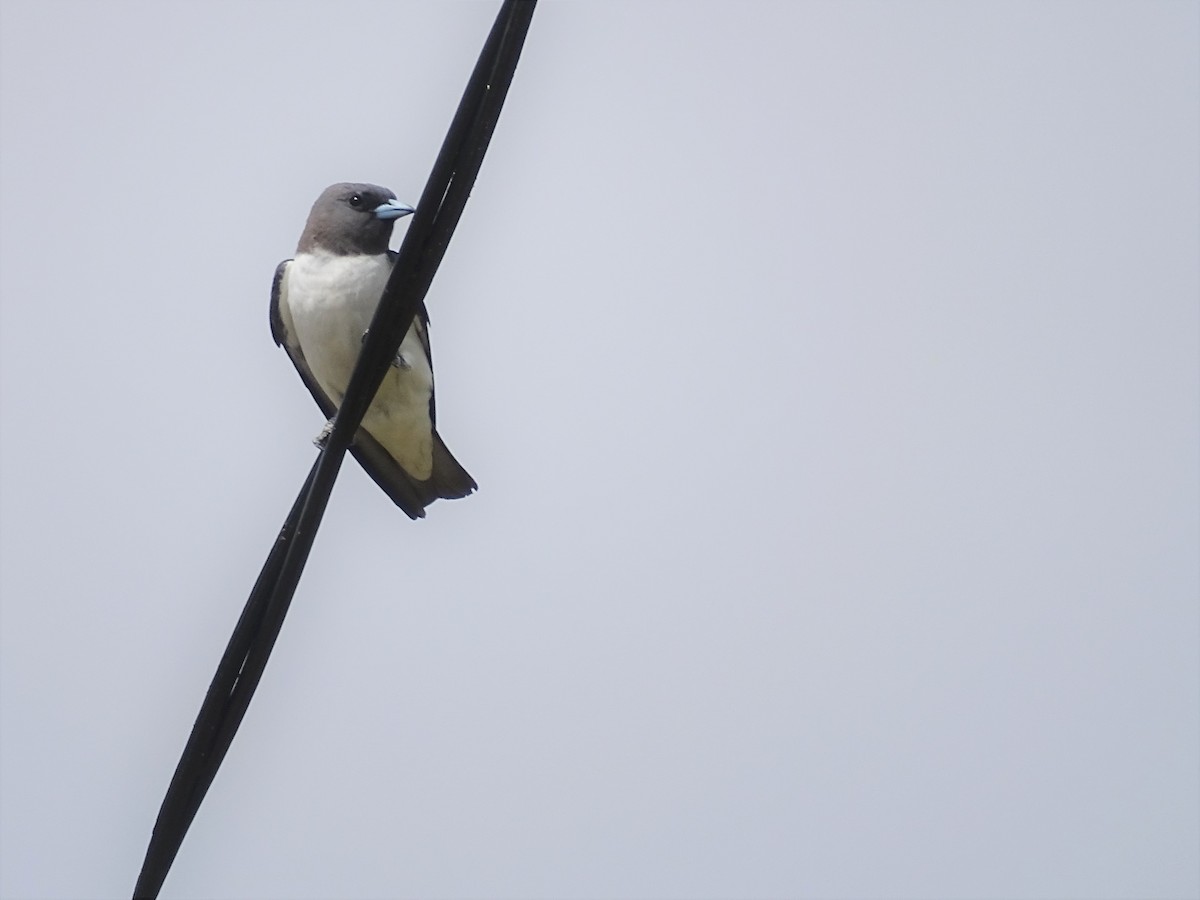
(830, 375)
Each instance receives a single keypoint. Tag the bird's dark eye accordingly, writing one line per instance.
(356, 200)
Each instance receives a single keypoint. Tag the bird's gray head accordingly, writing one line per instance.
(349, 219)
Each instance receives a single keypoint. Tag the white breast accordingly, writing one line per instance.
(331, 300)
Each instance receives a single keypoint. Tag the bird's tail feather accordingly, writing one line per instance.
(449, 480)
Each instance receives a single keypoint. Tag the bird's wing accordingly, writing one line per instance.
(408, 493)
(449, 479)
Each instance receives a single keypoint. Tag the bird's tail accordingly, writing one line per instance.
(449, 479)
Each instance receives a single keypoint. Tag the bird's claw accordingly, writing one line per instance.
(399, 362)
(321, 439)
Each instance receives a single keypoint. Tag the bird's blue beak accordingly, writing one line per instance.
(393, 209)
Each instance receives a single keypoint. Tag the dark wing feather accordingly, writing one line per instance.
(448, 479)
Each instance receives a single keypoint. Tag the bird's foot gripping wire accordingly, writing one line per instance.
(321, 438)
(399, 362)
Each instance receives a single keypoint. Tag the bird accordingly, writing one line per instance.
(322, 301)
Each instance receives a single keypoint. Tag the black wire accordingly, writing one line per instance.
(421, 252)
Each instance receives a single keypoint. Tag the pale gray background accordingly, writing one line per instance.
(830, 374)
